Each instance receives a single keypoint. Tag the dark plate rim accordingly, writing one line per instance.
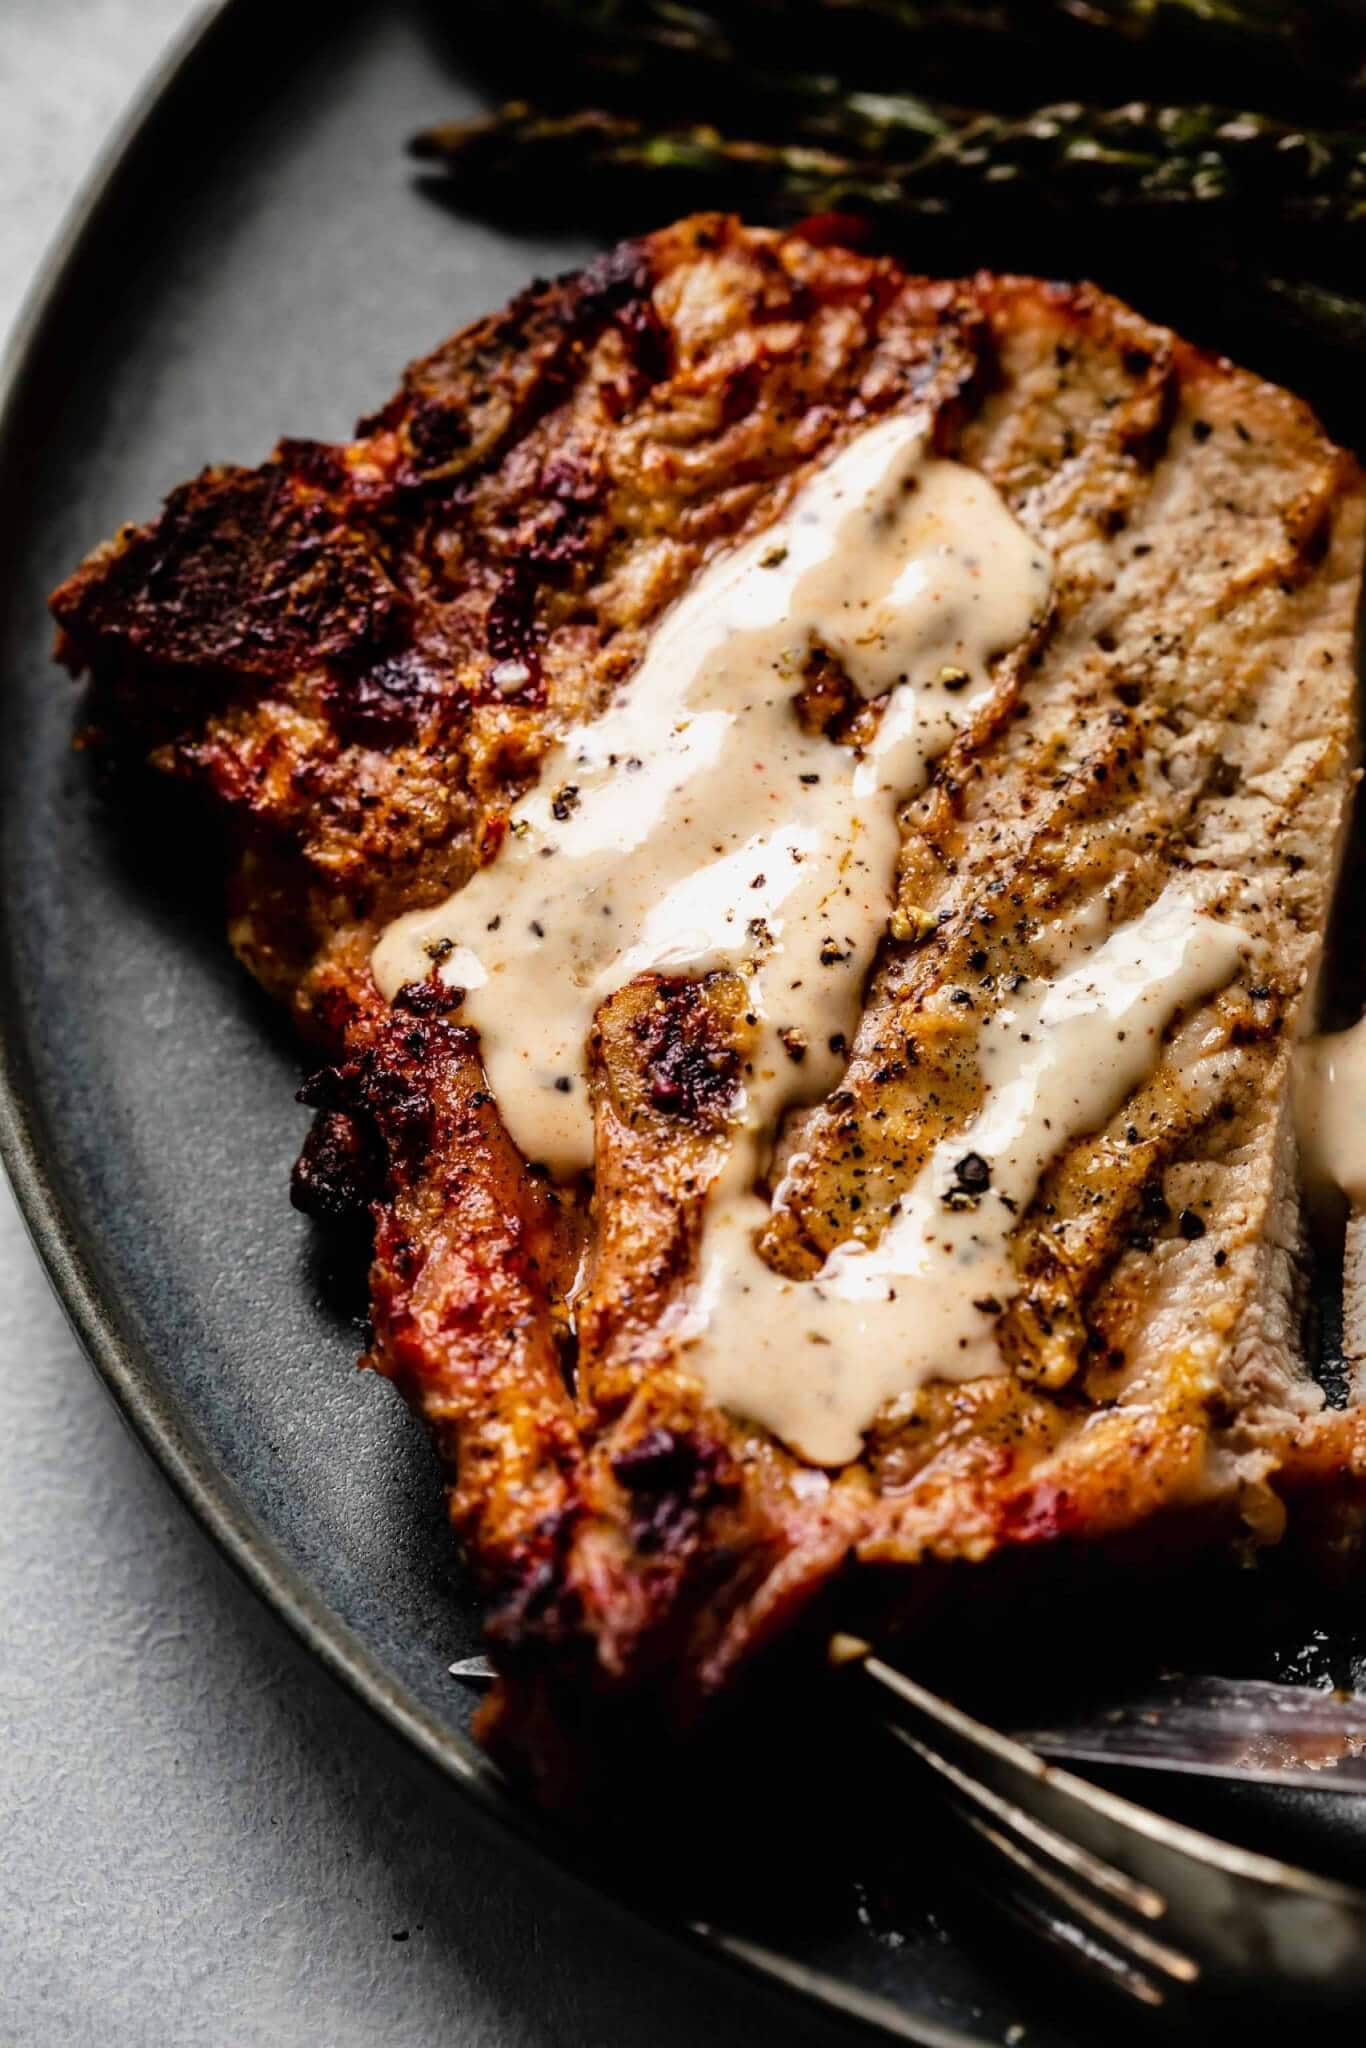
(131, 1378)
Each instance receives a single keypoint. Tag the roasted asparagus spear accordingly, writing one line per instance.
(668, 52)
(1064, 157)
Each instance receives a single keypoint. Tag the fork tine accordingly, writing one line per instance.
(1242, 1918)
(1135, 1940)
(1140, 1898)
(1029, 1909)
(1089, 1930)
(1151, 1832)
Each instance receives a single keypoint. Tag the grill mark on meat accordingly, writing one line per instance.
(313, 644)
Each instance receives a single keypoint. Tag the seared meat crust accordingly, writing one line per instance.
(360, 652)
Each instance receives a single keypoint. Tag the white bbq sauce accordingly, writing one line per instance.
(1330, 1111)
(695, 826)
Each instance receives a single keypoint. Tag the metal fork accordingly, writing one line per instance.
(1152, 1906)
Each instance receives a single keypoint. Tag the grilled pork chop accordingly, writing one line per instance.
(360, 653)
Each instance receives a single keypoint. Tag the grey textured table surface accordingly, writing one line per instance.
(201, 1838)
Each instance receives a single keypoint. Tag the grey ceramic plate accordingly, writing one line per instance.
(255, 259)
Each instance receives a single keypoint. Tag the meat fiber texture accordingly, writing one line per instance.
(322, 645)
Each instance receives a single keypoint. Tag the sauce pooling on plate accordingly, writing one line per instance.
(698, 825)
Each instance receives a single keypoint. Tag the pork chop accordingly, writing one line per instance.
(360, 653)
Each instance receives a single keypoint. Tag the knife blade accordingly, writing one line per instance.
(1251, 1730)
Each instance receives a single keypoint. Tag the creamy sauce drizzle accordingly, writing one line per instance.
(1330, 1110)
(820, 1357)
(696, 826)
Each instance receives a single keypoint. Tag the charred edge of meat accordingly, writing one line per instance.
(430, 998)
(691, 1067)
(251, 575)
(339, 1173)
(387, 703)
(532, 1602)
(378, 1114)
(673, 1480)
(618, 286)
(246, 573)
(383, 1093)
(511, 629)
(452, 434)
